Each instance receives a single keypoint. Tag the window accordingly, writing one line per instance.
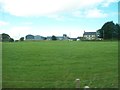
(93, 35)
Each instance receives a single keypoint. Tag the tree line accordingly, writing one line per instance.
(108, 31)
(6, 38)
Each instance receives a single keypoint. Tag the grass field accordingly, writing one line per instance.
(56, 64)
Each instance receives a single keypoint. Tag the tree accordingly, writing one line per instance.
(108, 31)
(0, 37)
(22, 39)
(118, 30)
(16, 40)
(64, 35)
(100, 33)
(5, 37)
(45, 38)
(11, 40)
(54, 37)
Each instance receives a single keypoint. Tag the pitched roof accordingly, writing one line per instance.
(59, 36)
(89, 33)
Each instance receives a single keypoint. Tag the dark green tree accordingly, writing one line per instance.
(45, 38)
(118, 30)
(100, 33)
(22, 39)
(54, 37)
(11, 40)
(5, 37)
(109, 31)
(16, 40)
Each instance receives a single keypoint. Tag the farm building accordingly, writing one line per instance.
(72, 39)
(49, 37)
(38, 37)
(29, 37)
(89, 36)
(59, 37)
(32, 37)
(64, 37)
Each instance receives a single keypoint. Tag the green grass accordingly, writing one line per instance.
(56, 64)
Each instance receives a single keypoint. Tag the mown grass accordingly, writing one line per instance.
(56, 64)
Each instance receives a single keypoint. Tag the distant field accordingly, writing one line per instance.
(56, 64)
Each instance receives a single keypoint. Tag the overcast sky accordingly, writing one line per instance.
(55, 17)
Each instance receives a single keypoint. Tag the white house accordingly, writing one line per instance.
(89, 36)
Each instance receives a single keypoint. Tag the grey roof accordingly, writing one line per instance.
(49, 36)
(55, 36)
(59, 36)
(89, 33)
(29, 35)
